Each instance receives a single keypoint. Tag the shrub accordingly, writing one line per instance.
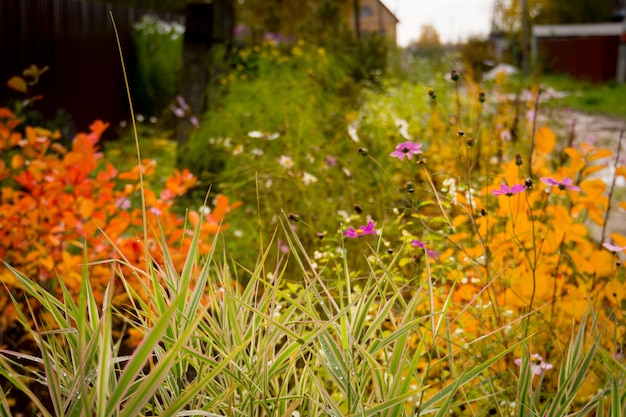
(58, 203)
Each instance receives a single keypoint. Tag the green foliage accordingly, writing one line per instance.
(603, 99)
(159, 59)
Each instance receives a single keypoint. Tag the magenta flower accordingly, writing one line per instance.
(565, 183)
(509, 191)
(361, 231)
(431, 253)
(613, 248)
(406, 149)
(537, 365)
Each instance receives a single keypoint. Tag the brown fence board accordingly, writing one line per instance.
(75, 38)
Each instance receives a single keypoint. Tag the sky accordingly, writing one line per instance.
(455, 20)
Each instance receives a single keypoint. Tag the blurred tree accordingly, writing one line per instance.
(309, 19)
(428, 44)
(429, 36)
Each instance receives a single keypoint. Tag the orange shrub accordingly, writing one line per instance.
(55, 200)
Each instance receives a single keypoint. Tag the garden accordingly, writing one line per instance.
(339, 236)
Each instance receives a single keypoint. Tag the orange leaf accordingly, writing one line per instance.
(194, 218)
(545, 140)
(17, 161)
(18, 84)
(6, 113)
(86, 208)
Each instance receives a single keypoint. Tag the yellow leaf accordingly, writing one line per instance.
(601, 153)
(619, 239)
(614, 292)
(545, 139)
(594, 187)
(18, 84)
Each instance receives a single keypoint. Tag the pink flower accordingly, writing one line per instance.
(509, 191)
(361, 231)
(406, 149)
(613, 248)
(565, 183)
(537, 365)
(431, 253)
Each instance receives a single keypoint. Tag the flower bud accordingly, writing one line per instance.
(293, 217)
(518, 159)
(454, 76)
(481, 97)
(432, 93)
(471, 142)
(363, 151)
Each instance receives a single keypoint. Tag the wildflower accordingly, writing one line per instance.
(431, 253)
(361, 231)
(330, 161)
(563, 184)
(194, 121)
(285, 161)
(407, 149)
(537, 365)
(308, 179)
(352, 131)
(613, 248)
(509, 191)
(263, 135)
(238, 149)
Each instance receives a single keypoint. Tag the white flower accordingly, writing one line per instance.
(256, 152)
(352, 131)
(204, 210)
(308, 179)
(403, 128)
(238, 149)
(285, 161)
(256, 134)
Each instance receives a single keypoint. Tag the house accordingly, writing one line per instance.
(375, 17)
(583, 51)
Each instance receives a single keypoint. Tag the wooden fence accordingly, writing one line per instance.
(75, 38)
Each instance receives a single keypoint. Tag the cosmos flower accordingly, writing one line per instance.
(509, 191)
(563, 184)
(406, 149)
(537, 365)
(431, 253)
(368, 229)
(613, 248)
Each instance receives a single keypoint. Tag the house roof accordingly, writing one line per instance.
(591, 29)
(389, 11)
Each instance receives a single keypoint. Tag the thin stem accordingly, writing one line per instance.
(611, 189)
